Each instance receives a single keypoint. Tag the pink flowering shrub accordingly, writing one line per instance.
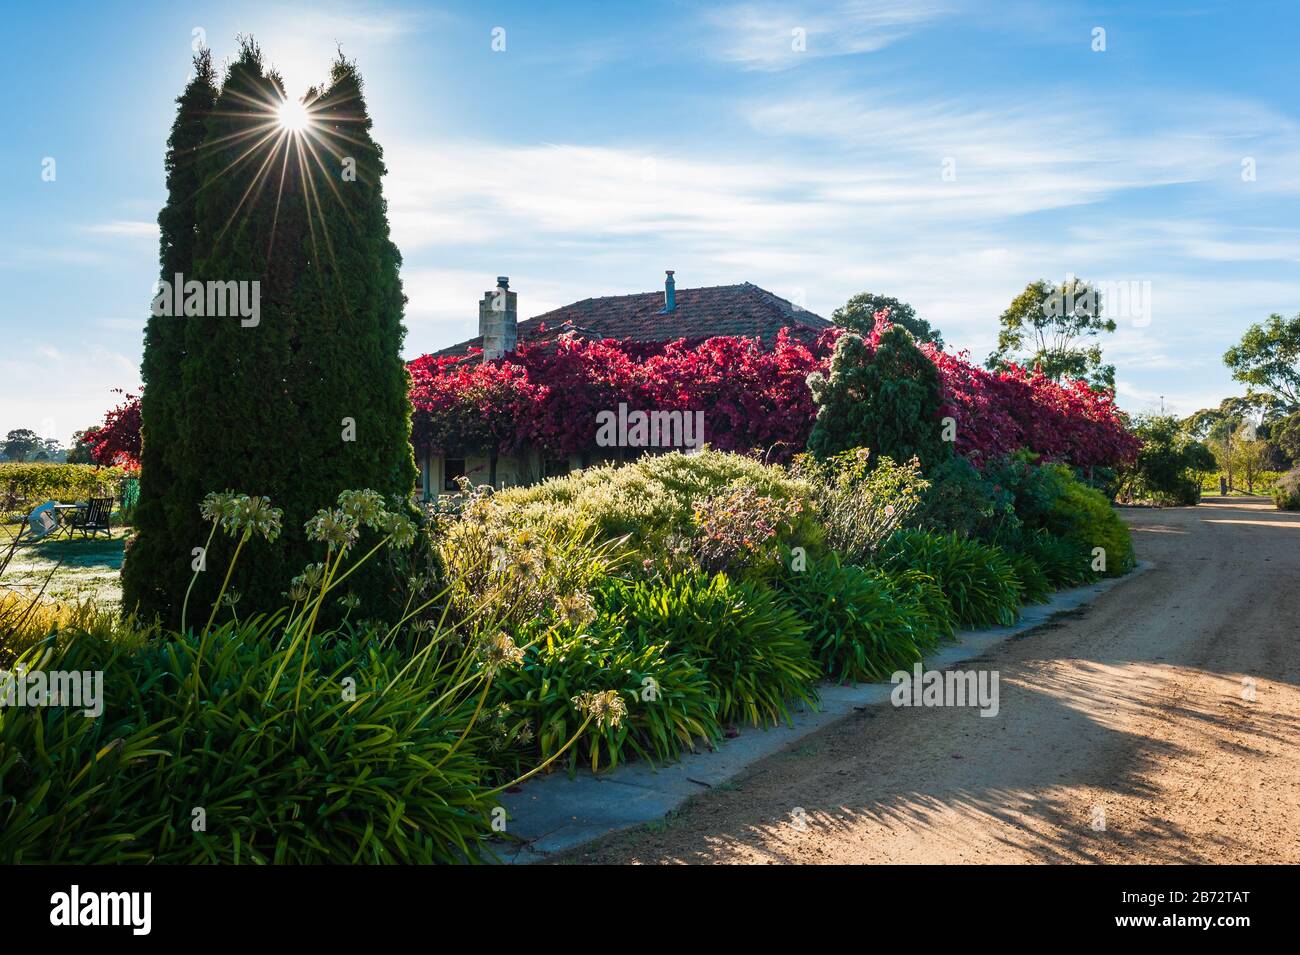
(997, 413)
(457, 404)
(755, 400)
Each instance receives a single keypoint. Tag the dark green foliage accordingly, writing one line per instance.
(962, 501)
(1032, 489)
(670, 702)
(929, 611)
(1214, 425)
(157, 568)
(262, 408)
(858, 628)
(1285, 434)
(79, 453)
(1105, 480)
(20, 443)
(1268, 357)
(1168, 469)
(886, 399)
(1064, 561)
(296, 774)
(858, 314)
(1035, 588)
(749, 644)
(1053, 498)
(977, 579)
(1086, 515)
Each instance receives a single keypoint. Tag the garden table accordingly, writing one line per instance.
(65, 526)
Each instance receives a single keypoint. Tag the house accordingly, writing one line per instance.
(653, 318)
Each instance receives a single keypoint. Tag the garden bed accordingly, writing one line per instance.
(560, 812)
(616, 619)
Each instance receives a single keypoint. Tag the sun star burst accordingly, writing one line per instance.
(293, 116)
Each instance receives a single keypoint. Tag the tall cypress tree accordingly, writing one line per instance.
(154, 565)
(313, 399)
(349, 308)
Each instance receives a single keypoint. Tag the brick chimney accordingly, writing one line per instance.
(498, 320)
(670, 291)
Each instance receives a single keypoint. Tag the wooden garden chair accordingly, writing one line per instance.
(93, 518)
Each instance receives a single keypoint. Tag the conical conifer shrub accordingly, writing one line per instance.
(154, 567)
(311, 397)
(885, 398)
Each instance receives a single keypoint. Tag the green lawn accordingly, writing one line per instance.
(1264, 483)
(85, 568)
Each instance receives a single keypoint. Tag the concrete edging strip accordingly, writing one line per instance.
(555, 813)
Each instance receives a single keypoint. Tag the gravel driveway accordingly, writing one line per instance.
(1159, 724)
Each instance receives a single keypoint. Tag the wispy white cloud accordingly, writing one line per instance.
(772, 36)
(481, 192)
(815, 229)
(1181, 402)
(838, 163)
(1206, 239)
(1045, 151)
(27, 257)
(364, 22)
(300, 42)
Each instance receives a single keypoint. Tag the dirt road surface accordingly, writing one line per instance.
(1161, 724)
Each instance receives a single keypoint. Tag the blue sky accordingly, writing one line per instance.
(604, 145)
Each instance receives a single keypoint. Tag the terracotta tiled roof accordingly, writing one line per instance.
(701, 313)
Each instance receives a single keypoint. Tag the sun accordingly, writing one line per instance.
(281, 131)
(292, 116)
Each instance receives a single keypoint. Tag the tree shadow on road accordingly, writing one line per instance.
(1117, 731)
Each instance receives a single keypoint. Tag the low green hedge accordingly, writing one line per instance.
(978, 579)
(858, 627)
(1035, 588)
(929, 611)
(670, 702)
(43, 481)
(962, 500)
(1087, 516)
(1064, 561)
(275, 767)
(751, 646)
(1053, 498)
